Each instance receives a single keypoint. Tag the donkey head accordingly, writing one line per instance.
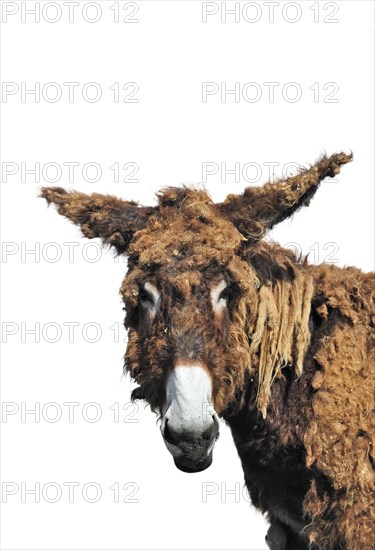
(191, 295)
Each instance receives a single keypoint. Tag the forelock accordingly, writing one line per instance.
(187, 229)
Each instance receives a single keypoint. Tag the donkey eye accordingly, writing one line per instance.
(149, 296)
(145, 296)
(224, 294)
(219, 295)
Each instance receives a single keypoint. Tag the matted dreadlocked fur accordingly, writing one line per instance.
(281, 336)
(291, 357)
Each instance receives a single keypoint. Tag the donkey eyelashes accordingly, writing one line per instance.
(149, 297)
(219, 295)
(145, 296)
(224, 294)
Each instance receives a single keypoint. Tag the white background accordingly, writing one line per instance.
(169, 133)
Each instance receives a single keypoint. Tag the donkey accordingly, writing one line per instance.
(222, 324)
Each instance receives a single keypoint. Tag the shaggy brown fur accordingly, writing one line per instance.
(291, 357)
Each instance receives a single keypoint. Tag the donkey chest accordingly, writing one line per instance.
(275, 476)
(280, 493)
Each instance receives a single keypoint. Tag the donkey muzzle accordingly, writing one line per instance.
(191, 451)
(190, 426)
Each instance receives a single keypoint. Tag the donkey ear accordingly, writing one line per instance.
(113, 220)
(260, 208)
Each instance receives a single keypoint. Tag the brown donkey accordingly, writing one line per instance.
(223, 324)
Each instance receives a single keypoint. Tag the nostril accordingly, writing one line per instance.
(169, 435)
(212, 431)
(207, 434)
